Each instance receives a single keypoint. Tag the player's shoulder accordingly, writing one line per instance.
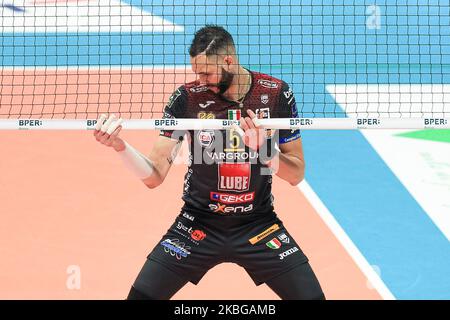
(267, 81)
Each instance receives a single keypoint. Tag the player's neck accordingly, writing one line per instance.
(240, 86)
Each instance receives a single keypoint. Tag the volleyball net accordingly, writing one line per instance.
(351, 64)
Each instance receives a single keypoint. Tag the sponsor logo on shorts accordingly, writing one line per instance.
(284, 238)
(197, 235)
(274, 244)
(176, 248)
(288, 253)
(264, 234)
(188, 216)
(229, 198)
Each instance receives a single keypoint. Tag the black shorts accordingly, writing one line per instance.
(196, 242)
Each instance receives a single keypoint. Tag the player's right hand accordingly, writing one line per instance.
(107, 133)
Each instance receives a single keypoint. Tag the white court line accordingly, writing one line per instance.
(368, 270)
(392, 100)
(87, 16)
(422, 166)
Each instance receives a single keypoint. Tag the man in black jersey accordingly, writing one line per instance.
(228, 213)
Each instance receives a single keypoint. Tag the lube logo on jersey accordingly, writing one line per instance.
(228, 198)
(234, 176)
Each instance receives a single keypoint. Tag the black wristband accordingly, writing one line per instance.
(267, 151)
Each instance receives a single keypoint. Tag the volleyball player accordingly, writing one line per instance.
(228, 213)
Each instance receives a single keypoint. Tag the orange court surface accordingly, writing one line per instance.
(68, 201)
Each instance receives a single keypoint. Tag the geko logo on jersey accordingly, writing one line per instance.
(234, 176)
(223, 209)
(228, 198)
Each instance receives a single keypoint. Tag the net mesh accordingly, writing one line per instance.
(75, 59)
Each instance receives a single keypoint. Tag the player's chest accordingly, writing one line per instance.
(262, 105)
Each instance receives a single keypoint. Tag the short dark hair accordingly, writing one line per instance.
(212, 39)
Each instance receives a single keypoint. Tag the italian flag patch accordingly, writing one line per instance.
(274, 244)
(234, 114)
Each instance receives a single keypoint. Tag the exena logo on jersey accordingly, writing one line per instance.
(223, 209)
(234, 176)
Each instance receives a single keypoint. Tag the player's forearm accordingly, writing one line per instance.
(140, 165)
(288, 167)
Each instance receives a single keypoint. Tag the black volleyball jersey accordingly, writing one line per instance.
(224, 176)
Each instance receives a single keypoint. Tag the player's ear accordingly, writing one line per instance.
(228, 61)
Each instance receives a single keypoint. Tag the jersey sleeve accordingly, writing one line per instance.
(288, 109)
(175, 108)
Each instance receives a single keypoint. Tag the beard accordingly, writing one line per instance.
(225, 81)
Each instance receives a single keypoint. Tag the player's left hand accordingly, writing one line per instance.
(253, 135)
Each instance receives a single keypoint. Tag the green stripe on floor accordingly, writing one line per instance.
(431, 135)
